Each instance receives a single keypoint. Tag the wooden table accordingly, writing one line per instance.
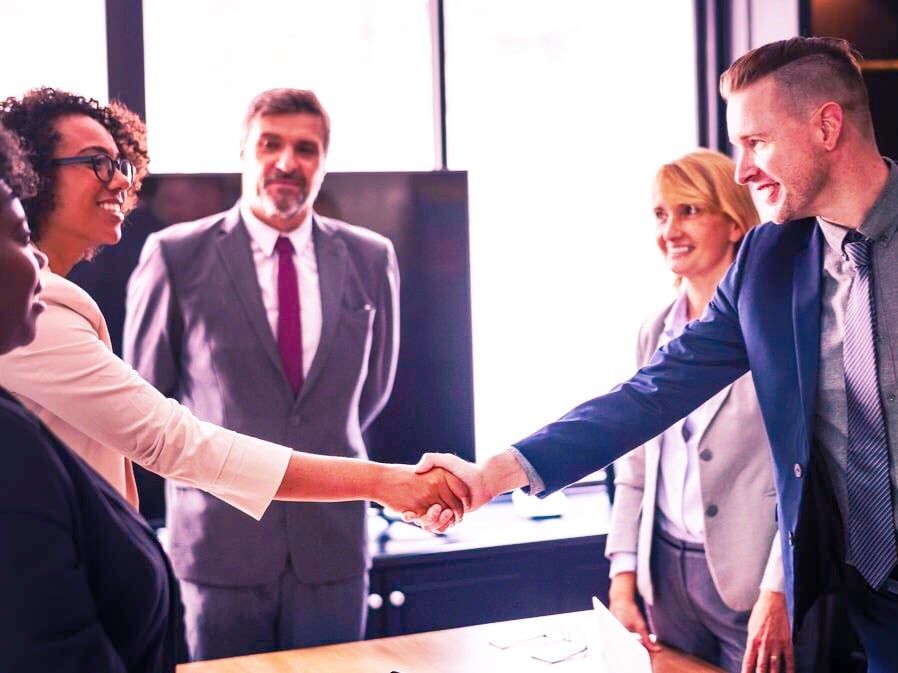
(464, 650)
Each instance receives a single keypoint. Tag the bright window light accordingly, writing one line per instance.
(562, 112)
(56, 43)
(369, 61)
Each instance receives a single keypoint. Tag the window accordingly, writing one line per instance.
(67, 52)
(369, 61)
(562, 112)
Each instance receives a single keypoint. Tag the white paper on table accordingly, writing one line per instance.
(621, 649)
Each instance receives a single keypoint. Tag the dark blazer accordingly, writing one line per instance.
(765, 316)
(197, 330)
(85, 585)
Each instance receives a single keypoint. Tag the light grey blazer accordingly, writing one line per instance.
(736, 478)
(196, 329)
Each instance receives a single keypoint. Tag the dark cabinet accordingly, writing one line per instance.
(495, 567)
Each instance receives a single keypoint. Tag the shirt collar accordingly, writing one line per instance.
(677, 317)
(266, 237)
(880, 222)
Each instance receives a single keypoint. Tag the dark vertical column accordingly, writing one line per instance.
(124, 53)
(712, 56)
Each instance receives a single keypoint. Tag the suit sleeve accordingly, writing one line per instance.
(48, 616)
(682, 375)
(153, 326)
(385, 342)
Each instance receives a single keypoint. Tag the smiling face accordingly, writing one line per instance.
(19, 265)
(778, 154)
(283, 167)
(697, 243)
(87, 213)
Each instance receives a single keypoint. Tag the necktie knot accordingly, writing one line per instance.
(857, 249)
(283, 247)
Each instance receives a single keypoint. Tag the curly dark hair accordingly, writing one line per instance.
(15, 170)
(33, 118)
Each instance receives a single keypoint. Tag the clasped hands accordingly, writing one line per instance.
(438, 491)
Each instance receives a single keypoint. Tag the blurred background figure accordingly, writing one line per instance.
(280, 323)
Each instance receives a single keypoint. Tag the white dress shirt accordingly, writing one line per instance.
(681, 513)
(262, 241)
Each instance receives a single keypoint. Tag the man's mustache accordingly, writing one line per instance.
(282, 176)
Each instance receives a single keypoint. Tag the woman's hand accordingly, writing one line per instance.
(622, 604)
(404, 490)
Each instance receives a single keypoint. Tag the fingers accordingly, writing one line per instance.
(425, 464)
(447, 496)
(766, 658)
(447, 461)
(750, 658)
(460, 489)
(642, 629)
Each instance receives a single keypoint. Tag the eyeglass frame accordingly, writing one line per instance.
(95, 160)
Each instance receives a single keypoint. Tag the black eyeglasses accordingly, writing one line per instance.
(104, 166)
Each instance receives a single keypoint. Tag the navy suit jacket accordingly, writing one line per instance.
(765, 316)
(85, 585)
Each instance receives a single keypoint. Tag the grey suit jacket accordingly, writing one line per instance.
(196, 329)
(737, 491)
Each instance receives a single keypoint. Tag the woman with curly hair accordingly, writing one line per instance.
(72, 547)
(90, 160)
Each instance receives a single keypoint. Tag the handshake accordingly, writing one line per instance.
(438, 491)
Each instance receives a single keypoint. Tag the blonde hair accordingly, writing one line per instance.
(707, 178)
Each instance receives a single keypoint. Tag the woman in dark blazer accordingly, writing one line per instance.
(85, 585)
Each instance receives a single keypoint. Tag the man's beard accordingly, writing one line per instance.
(286, 205)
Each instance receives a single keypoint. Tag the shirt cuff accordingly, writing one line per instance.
(774, 578)
(622, 562)
(536, 485)
(251, 475)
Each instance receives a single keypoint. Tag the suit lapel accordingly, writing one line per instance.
(234, 250)
(806, 280)
(712, 406)
(330, 254)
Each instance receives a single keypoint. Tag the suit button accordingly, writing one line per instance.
(706, 454)
(711, 511)
(294, 421)
(791, 539)
(891, 397)
(797, 471)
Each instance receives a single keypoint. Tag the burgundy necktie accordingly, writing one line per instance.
(289, 324)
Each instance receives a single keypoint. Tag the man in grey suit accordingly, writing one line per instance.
(282, 324)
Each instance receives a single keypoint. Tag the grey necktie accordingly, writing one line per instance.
(871, 526)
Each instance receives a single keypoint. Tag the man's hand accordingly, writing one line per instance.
(622, 604)
(769, 645)
(435, 519)
(407, 490)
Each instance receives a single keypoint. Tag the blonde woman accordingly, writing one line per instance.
(693, 524)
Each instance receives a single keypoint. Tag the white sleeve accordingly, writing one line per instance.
(71, 374)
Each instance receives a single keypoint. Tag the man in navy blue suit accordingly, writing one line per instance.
(810, 306)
